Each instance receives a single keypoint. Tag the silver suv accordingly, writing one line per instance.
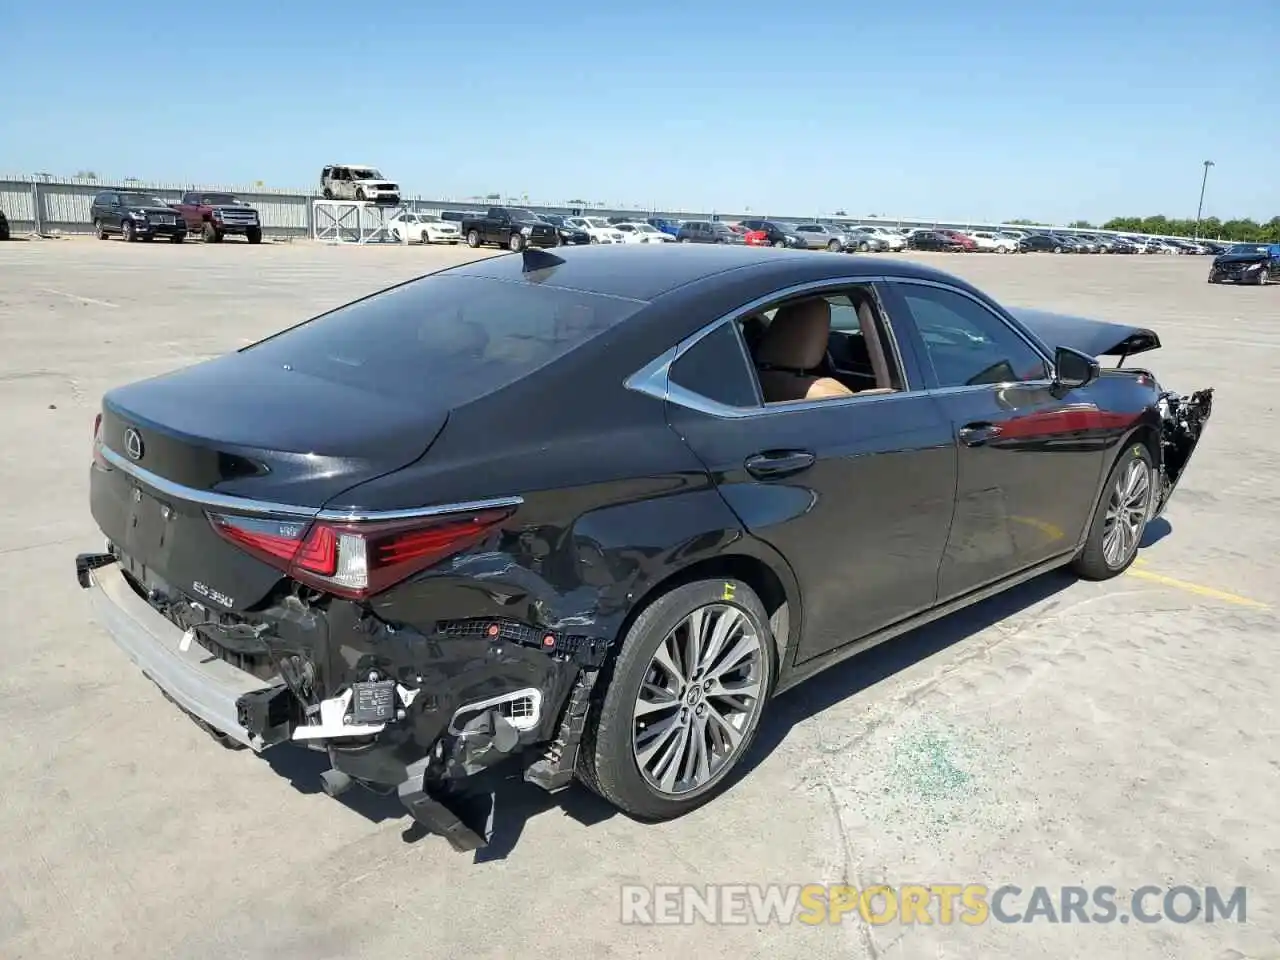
(353, 181)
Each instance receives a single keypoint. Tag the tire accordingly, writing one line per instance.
(834, 246)
(515, 243)
(1263, 279)
(863, 247)
(210, 233)
(609, 763)
(253, 235)
(594, 240)
(360, 194)
(128, 231)
(473, 238)
(1096, 560)
(779, 243)
(1057, 249)
(426, 238)
(177, 238)
(99, 230)
(328, 194)
(685, 240)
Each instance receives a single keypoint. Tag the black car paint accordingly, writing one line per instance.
(112, 207)
(500, 225)
(1239, 267)
(855, 549)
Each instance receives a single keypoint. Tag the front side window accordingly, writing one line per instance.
(967, 344)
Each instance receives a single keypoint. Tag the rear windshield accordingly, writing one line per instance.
(444, 340)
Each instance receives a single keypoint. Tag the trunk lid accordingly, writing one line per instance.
(236, 434)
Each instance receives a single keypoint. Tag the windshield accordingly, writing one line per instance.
(429, 218)
(1248, 248)
(365, 173)
(646, 228)
(141, 200)
(519, 214)
(786, 227)
(443, 340)
(599, 223)
(218, 199)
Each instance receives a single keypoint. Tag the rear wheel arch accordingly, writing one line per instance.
(777, 591)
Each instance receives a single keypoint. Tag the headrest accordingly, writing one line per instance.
(797, 338)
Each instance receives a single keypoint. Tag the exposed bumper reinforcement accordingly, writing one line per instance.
(201, 684)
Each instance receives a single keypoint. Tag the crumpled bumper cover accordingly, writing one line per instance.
(392, 707)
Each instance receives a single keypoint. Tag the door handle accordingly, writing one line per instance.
(976, 434)
(778, 463)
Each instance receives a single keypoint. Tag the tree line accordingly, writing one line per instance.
(1237, 231)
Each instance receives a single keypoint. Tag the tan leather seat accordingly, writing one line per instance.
(794, 345)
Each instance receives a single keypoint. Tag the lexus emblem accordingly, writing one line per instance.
(133, 444)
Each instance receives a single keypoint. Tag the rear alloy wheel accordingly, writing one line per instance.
(129, 231)
(473, 238)
(1121, 517)
(684, 702)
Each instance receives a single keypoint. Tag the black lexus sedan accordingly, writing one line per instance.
(568, 233)
(585, 512)
(1255, 263)
(933, 240)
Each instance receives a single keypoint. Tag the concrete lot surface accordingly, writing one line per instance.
(1067, 733)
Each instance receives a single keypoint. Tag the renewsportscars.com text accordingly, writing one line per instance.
(970, 904)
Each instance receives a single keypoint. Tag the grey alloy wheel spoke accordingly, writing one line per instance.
(698, 700)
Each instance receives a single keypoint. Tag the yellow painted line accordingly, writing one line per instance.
(1196, 588)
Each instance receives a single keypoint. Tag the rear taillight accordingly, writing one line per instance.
(356, 559)
(98, 458)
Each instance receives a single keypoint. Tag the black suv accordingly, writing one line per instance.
(135, 215)
(778, 234)
(4, 226)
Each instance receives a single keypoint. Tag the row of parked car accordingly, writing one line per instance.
(449, 227)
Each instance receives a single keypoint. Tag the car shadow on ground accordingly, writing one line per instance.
(501, 803)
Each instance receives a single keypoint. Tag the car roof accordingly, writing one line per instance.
(643, 272)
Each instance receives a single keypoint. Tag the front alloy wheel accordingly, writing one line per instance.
(1126, 514)
(1121, 516)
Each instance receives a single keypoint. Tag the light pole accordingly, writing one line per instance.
(1200, 208)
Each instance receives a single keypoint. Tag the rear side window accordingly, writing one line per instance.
(716, 367)
(443, 340)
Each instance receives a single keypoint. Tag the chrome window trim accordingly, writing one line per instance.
(222, 501)
(653, 379)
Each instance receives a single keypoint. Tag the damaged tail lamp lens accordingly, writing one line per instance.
(355, 559)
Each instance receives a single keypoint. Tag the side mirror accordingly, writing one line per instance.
(1074, 369)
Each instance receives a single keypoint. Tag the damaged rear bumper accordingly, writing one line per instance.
(392, 708)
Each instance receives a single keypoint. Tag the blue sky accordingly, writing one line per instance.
(984, 109)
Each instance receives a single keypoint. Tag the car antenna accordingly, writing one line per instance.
(535, 259)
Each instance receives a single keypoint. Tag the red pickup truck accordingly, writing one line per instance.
(214, 215)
